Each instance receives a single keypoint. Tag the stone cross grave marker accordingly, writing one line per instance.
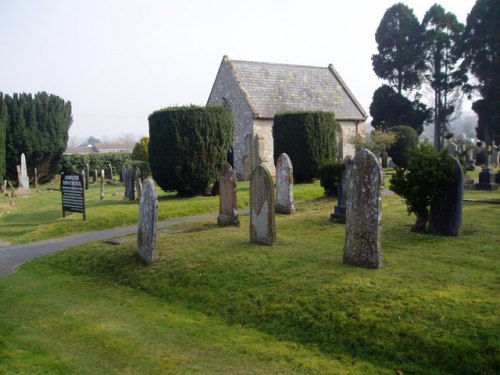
(284, 185)
(228, 208)
(338, 215)
(262, 207)
(364, 183)
(446, 215)
(148, 223)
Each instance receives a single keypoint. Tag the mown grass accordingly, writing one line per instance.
(38, 216)
(291, 308)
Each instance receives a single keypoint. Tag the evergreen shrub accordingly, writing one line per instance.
(407, 140)
(330, 175)
(309, 139)
(3, 135)
(76, 162)
(422, 182)
(188, 147)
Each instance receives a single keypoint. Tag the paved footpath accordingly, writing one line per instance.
(12, 256)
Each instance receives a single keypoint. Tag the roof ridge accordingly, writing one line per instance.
(277, 64)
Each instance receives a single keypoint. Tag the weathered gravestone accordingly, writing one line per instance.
(446, 214)
(138, 183)
(22, 175)
(339, 210)
(228, 208)
(4, 187)
(128, 181)
(148, 223)
(262, 207)
(110, 173)
(87, 176)
(364, 183)
(284, 185)
(94, 176)
(101, 190)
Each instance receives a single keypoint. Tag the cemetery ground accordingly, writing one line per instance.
(215, 303)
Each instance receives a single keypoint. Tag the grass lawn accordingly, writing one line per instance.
(38, 216)
(214, 303)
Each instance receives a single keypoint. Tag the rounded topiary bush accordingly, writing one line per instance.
(188, 146)
(407, 140)
(309, 139)
(330, 177)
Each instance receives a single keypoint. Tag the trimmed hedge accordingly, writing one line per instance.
(330, 175)
(188, 147)
(76, 162)
(407, 140)
(309, 139)
(3, 135)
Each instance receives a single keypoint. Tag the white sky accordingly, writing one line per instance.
(117, 61)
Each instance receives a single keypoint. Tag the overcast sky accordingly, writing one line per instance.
(117, 61)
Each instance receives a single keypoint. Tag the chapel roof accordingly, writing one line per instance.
(273, 88)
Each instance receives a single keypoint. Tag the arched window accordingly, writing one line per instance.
(340, 143)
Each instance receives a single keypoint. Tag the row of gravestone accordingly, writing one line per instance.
(362, 188)
(262, 206)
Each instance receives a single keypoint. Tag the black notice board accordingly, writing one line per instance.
(73, 194)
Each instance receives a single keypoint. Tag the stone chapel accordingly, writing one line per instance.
(256, 91)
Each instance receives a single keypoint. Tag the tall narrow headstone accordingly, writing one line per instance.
(94, 176)
(4, 187)
(148, 223)
(110, 171)
(102, 185)
(284, 185)
(446, 215)
(36, 179)
(228, 209)
(22, 173)
(262, 207)
(364, 184)
(138, 183)
(122, 174)
(87, 177)
(339, 210)
(129, 183)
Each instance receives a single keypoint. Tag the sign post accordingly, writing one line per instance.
(73, 194)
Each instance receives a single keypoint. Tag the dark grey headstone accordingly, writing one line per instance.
(284, 185)
(262, 207)
(340, 209)
(87, 177)
(101, 190)
(148, 223)
(129, 181)
(364, 183)
(228, 209)
(446, 214)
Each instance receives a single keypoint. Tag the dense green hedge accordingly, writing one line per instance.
(330, 176)
(309, 139)
(37, 126)
(76, 162)
(407, 140)
(3, 134)
(188, 146)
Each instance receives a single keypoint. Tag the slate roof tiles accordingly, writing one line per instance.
(273, 88)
